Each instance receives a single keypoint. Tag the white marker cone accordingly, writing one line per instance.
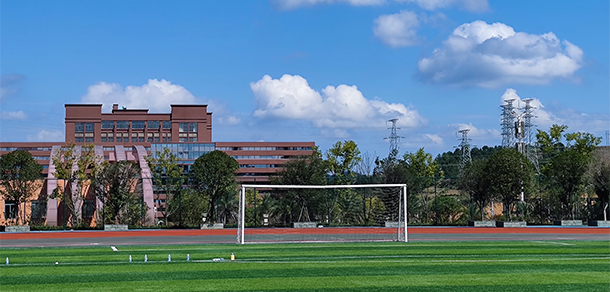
(188, 257)
(145, 258)
(7, 260)
(232, 257)
(169, 257)
(130, 258)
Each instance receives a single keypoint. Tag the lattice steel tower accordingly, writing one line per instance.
(465, 146)
(508, 123)
(394, 138)
(528, 127)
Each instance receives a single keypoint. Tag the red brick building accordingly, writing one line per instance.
(132, 134)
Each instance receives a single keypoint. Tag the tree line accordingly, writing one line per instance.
(573, 182)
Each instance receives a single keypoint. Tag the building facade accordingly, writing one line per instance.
(133, 134)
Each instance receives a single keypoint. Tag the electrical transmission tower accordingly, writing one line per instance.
(528, 127)
(465, 146)
(394, 138)
(508, 120)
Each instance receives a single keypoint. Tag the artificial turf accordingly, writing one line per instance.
(423, 266)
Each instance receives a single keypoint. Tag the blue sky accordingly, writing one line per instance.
(310, 70)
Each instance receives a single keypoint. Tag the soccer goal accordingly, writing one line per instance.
(386, 205)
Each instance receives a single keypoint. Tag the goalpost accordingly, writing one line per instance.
(401, 225)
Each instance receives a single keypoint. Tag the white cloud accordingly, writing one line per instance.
(436, 139)
(229, 120)
(474, 132)
(542, 118)
(18, 115)
(491, 55)
(294, 4)
(575, 120)
(470, 5)
(46, 136)
(397, 30)
(156, 95)
(291, 98)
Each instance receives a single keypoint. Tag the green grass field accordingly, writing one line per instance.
(421, 266)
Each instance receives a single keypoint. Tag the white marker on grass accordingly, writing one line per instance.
(7, 260)
(169, 257)
(188, 257)
(114, 248)
(130, 258)
(145, 258)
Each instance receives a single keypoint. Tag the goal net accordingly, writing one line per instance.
(285, 213)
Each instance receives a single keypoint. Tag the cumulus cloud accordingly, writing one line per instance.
(436, 139)
(542, 117)
(341, 107)
(491, 55)
(156, 95)
(397, 30)
(46, 136)
(474, 132)
(470, 5)
(294, 4)
(18, 115)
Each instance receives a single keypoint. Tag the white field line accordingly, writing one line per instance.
(553, 242)
(126, 262)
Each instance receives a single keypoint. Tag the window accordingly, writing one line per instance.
(183, 127)
(182, 139)
(167, 125)
(89, 127)
(138, 124)
(79, 127)
(107, 124)
(134, 139)
(110, 139)
(140, 139)
(118, 139)
(79, 139)
(122, 124)
(10, 209)
(39, 210)
(88, 208)
(156, 139)
(104, 139)
(193, 139)
(111, 148)
(89, 139)
(192, 127)
(153, 124)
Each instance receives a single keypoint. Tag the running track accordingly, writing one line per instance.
(197, 236)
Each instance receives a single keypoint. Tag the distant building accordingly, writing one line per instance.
(132, 134)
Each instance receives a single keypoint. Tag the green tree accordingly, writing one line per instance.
(119, 187)
(598, 174)
(423, 170)
(341, 160)
(213, 175)
(563, 167)
(192, 209)
(20, 177)
(76, 166)
(475, 182)
(302, 204)
(565, 179)
(168, 179)
(343, 205)
(392, 170)
(510, 174)
(450, 209)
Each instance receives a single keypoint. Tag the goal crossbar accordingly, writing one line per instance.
(242, 199)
